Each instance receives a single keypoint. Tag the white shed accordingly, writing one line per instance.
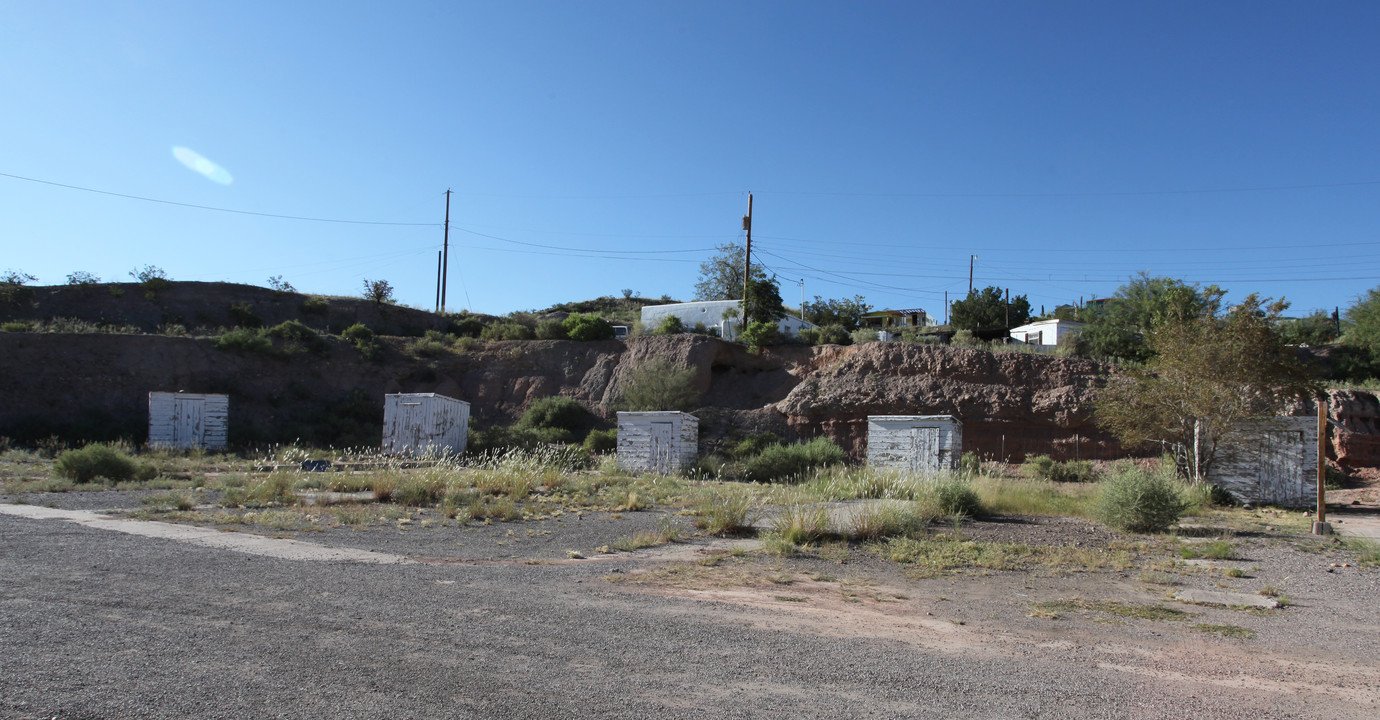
(1270, 461)
(424, 423)
(1048, 333)
(660, 442)
(721, 317)
(919, 443)
(188, 420)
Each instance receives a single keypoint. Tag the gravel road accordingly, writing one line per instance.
(99, 623)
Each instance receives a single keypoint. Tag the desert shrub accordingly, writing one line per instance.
(363, 339)
(496, 438)
(1138, 500)
(152, 278)
(101, 461)
(601, 441)
(878, 520)
(835, 335)
(778, 462)
(551, 329)
(244, 340)
(379, 291)
(808, 336)
(969, 465)
(244, 316)
(466, 325)
(761, 334)
(417, 491)
(965, 339)
(14, 327)
(670, 325)
(297, 337)
(956, 497)
(316, 305)
(556, 412)
(1043, 467)
(799, 524)
(82, 277)
(426, 347)
(587, 327)
(507, 331)
(656, 385)
(753, 445)
(863, 335)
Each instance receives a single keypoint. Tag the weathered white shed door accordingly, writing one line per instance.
(924, 448)
(189, 415)
(1281, 466)
(410, 424)
(663, 448)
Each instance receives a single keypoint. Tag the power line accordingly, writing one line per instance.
(582, 250)
(209, 207)
(1126, 193)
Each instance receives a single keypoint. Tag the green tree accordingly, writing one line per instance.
(763, 303)
(1121, 326)
(670, 325)
(1314, 330)
(846, 312)
(1206, 373)
(579, 326)
(987, 309)
(379, 291)
(1361, 322)
(721, 276)
(657, 385)
(761, 334)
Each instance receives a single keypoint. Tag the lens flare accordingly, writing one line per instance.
(201, 166)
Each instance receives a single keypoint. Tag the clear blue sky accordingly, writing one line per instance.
(596, 146)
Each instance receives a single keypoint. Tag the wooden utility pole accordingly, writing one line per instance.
(1320, 525)
(445, 255)
(971, 259)
(438, 281)
(946, 307)
(747, 258)
(1008, 308)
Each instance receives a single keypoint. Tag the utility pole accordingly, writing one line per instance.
(747, 258)
(1008, 308)
(802, 298)
(438, 281)
(445, 255)
(946, 307)
(971, 259)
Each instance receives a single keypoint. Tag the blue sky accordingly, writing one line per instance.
(597, 146)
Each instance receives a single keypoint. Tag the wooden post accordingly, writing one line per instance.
(1320, 524)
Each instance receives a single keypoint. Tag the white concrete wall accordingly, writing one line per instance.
(711, 313)
(642, 449)
(1046, 332)
(896, 441)
(417, 424)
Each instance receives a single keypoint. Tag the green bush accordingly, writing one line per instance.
(297, 337)
(863, 335)
(426, 347)
(587, 327)
(670, 325)
(316, 305)
(835, 335)
(753, 445)
(778, 462)
(1043, 467)
(762, 334)
(466, 325)
(556, 412)
(363, 339)
(1137, 500)
(969, 465)
(808, 336)
(14, 327)
(244, 340)
(657, 385)
(601, 441)
(507, 331)
(101, 461)
(957, 497)
(244, 315)
(551, 329)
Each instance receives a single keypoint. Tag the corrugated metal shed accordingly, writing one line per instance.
(661, 442)
(918, 443)
(1270, 461)
(188, 420)
(424, 423)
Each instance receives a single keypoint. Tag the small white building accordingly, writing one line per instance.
(723, 318)
(418, 424)
(188, 420)
(659, 442)
(1046, 332)
(1269, 461)
(917, 443)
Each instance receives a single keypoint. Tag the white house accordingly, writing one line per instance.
(1046, 332)
(917, 443)
(711, 313)
(424, 423)
(664, 442)
(188, 420)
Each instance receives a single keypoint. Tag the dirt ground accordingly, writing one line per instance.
(859, 634)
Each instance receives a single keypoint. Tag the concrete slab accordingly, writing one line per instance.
(1231, 599)
(1360, 526)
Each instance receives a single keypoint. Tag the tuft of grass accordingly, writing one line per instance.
(725, 511)
(798, 524)
(666, 532)
(277, 488)
(1367, 551)
(1043, 467)
(1231, 631)
(167, 502)
(932, 556)
(879, 520)
(1234, 573)
(1110, 607)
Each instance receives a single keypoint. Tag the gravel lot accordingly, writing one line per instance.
(497, 621)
